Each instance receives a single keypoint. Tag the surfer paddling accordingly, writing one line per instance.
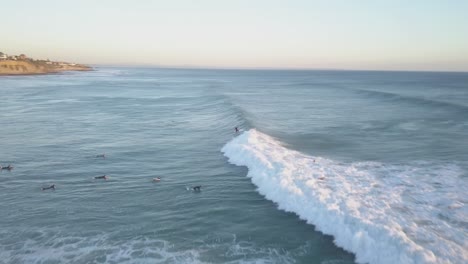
(102, 177)
(48, 188)
(103, 155)
(9, 167)
(156, 179)
(196, 188)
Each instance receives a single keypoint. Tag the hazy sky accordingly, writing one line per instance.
(346, 34)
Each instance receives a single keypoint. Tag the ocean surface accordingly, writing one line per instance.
(329, 167)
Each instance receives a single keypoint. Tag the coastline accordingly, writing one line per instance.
(29, 67)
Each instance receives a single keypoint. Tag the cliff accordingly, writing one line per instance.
(25, 67)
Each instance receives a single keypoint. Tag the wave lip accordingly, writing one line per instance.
(378, 212)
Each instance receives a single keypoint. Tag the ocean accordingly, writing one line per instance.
(328, 167)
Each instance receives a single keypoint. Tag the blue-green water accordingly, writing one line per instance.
(375, 160)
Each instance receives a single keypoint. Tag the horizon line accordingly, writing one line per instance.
(191, 67)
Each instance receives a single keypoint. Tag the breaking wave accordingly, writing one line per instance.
(383, 213)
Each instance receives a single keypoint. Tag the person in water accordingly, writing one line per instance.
(196, 188)
(50, 187)
(237, 129)
(101, 177)
(103, 155)
(9, 167)
(156, 179)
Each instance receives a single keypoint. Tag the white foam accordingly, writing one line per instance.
(58, 246)
(383, 213)
(52, 247)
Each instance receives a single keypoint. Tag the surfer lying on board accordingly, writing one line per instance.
(103, 155)
(196, 188)
(101, 177)
(9, 167)
(50, 187)
(156, 179)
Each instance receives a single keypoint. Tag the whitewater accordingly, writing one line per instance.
(383, 213)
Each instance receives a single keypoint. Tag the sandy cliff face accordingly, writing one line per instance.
(9, 67)
(19, 67)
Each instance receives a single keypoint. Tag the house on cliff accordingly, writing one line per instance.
(3, 56)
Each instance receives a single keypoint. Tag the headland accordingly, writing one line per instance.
(23, 65)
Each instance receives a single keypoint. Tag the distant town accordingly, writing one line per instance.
(24, 65)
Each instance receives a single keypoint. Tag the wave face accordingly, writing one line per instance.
(382, 213)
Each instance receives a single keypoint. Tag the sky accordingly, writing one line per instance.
(297, 34)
